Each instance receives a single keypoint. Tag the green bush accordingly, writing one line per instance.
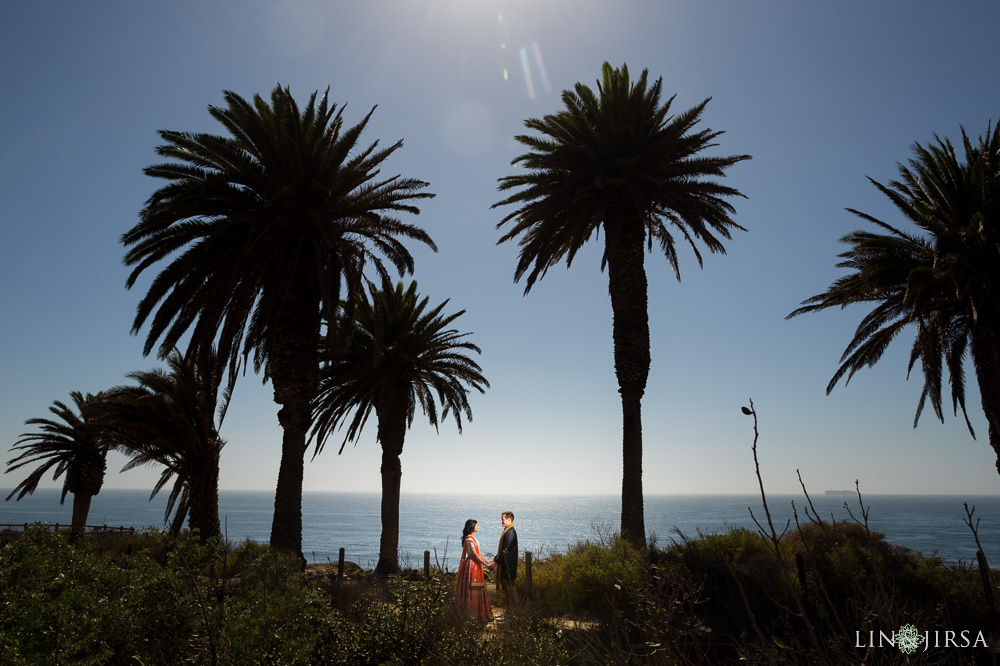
(94, 603)
(275, 618)
(590, 577)
(399, 622)
(247, 552)
(63, 604)
(761, 606)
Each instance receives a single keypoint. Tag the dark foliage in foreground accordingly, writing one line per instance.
(719, 598)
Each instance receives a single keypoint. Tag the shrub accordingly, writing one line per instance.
(851, 580)
(70, 603)
(400, 622)
(590, 577)
(275, 617)
(63, 603)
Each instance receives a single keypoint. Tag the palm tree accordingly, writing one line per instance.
(401, 355)
(75, 445)
(168, 418)
(617, 160)
(944, 279)
(265, 228)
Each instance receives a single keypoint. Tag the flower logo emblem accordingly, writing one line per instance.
(908, 639)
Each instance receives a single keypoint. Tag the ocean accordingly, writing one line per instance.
(545, 524)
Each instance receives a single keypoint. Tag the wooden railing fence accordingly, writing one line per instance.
(65, 527)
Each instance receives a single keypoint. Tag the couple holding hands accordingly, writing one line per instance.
(470, 588)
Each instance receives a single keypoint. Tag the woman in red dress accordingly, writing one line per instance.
(470, 588)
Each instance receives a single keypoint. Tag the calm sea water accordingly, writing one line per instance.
(545, 524)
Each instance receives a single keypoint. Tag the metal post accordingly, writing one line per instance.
(340, 565)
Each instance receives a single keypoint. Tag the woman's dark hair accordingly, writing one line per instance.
(470, 527)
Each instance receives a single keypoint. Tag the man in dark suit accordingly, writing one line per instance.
(506, 559)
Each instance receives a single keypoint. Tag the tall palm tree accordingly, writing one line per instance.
(169, 419)
(76, 447)
(944, 279)
(265, 228)
(401, 355)
(616, 160)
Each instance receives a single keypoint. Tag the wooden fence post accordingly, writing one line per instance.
(527, 570)
(340, 565)
(427, 564)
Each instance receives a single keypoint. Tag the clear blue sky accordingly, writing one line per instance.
(820, 94)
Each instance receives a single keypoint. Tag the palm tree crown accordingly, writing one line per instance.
(398, 345)
(617, 160)
(287, 201)
(944, 279)
(613, 159)
(262, 228)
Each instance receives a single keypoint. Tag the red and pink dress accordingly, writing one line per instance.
(470, 588)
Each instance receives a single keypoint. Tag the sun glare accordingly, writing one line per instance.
(504, 33)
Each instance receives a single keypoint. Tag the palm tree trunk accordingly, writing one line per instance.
(293, 364)
(391, 433)
(204, 515)
(628, 289)
(181, 512)
(81, 509)
(986, 356)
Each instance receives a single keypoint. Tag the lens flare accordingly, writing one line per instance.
(503, 37)
(541, 67)
(529, 56)
(527, 73)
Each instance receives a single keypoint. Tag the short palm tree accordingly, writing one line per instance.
(402, 354)
(944, 279)
(266, 229)
(617, 161)
(75, 446)
(169, 419)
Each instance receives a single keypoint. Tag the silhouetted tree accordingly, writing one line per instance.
(944, 279)
(402, 354)
(74, 446)
(168, 419)
(267, 229)
(617, 161)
